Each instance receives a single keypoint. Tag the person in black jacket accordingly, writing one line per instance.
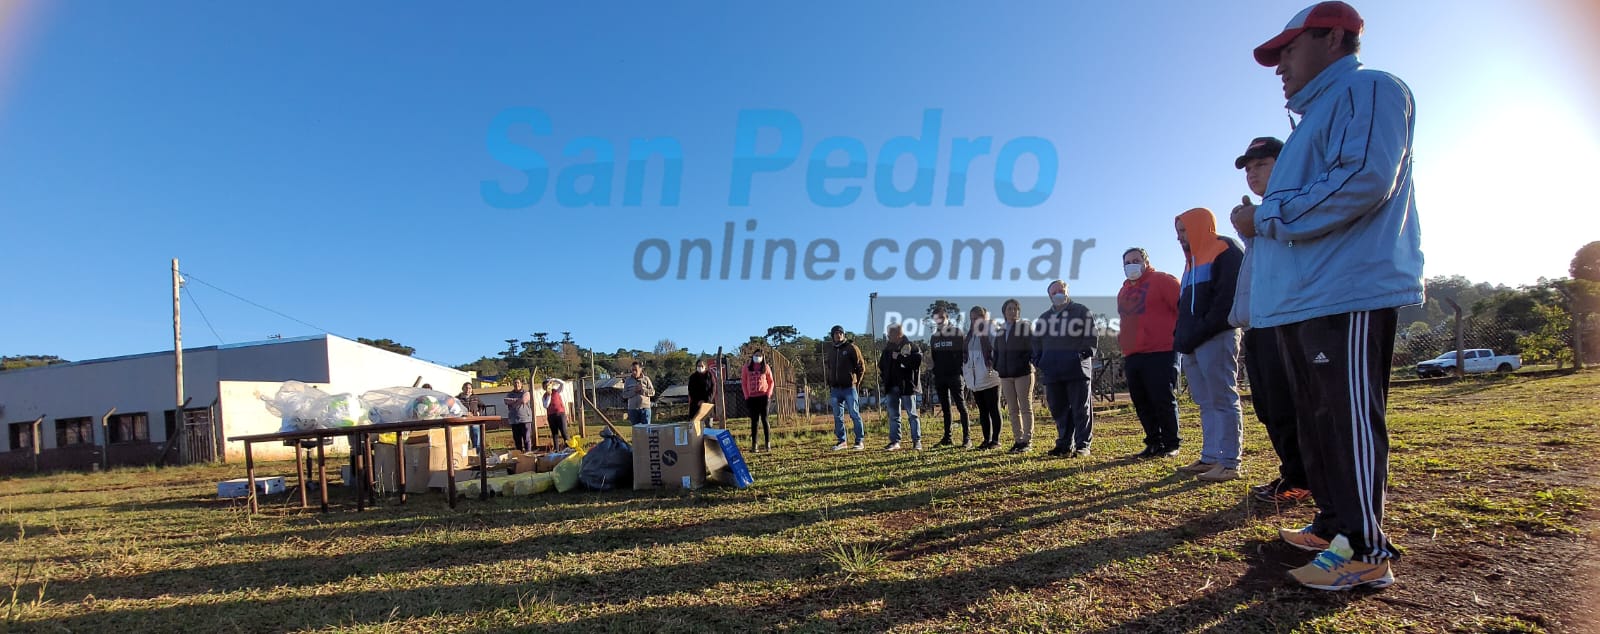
(1063, 349)
(900, 365)
(701, 387)
(1013, 352)
(1209, 344)
(949, 351)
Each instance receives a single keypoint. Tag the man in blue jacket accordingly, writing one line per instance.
(1337, 251)
(1063, 350)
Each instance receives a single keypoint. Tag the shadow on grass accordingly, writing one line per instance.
(899, 600)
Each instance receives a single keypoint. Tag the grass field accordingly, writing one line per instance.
(1491, 499)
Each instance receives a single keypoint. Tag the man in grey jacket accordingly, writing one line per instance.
(639, 390)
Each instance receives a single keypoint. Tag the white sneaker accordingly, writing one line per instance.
(841, 446)
(859, 446)
(894, 446)
(917, 445)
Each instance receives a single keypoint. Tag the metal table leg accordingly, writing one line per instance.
(450, 465)
(322, 474)
(250, 474)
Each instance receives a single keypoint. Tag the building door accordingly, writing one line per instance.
(199, 445)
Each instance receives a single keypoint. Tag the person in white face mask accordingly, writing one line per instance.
(1148, 306)
(1063, 350)
(757, 381)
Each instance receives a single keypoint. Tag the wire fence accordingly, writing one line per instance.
(1488, 345)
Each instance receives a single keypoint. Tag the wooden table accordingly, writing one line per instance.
(361, 455)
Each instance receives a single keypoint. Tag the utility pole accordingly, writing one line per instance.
(177, 353)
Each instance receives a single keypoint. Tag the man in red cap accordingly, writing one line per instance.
(1337, 250)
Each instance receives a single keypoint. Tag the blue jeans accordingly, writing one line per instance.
(907, 402)
(844, 398)
(639, 416)
(475, 433)
(1213, 375)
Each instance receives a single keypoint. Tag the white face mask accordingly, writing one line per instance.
(757, 358)
(1133, 271)
(1059, 298)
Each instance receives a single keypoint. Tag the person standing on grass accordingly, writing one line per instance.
(701, 389)
(1210, 347)
(555, 412)
(900, 365)
(1063, 349)
(474, 406)
(757, 383)
(843, 368)
(1270, 395)
(639, 390)
(949, 351)
(519, 411)
(1338, 243)
(1013, 354)
(981, 377)
(1148, 307)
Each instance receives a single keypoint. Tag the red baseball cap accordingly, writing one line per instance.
(1322, 15)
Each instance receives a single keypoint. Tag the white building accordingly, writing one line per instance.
(223, 384)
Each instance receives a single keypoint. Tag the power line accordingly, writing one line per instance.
(202, 312)
(219, 289)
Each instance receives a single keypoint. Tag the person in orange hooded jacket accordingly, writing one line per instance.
(1209, 344)
(1148, 308)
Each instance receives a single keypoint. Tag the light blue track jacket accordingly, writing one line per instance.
(1337, 230)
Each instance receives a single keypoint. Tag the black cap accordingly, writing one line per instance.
(836, 330)
(1261, 147)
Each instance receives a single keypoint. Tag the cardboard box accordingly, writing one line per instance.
(724, 462)
(240, 487)
(495, 459)
(547, 462)
(418, 457)
(441, 479)
(668, 456)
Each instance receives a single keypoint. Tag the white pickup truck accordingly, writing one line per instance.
(1477, 361)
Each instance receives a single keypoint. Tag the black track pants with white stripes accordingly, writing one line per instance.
(1338, 367)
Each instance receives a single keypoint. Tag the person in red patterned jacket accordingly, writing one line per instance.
(1148, 306)
(555, 408)
(757, 382)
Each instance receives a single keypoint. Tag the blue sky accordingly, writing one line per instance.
(326, 160)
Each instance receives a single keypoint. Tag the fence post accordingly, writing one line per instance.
(1461, 347)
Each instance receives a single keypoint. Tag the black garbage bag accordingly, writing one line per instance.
(607, 465)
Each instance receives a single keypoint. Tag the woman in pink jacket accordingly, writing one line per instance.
(757, 382)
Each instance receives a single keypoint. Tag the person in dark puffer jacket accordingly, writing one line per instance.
(1013, 351)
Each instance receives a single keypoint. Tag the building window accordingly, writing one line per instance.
(74, 431)
(126, 428)
(22, 436)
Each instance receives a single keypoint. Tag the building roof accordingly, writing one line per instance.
(144, 355)
(676, 390)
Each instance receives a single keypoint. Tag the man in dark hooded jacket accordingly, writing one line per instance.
(1209, 344)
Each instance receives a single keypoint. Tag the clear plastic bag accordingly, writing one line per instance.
(300, 406)
(342, 410)
(393, 404)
